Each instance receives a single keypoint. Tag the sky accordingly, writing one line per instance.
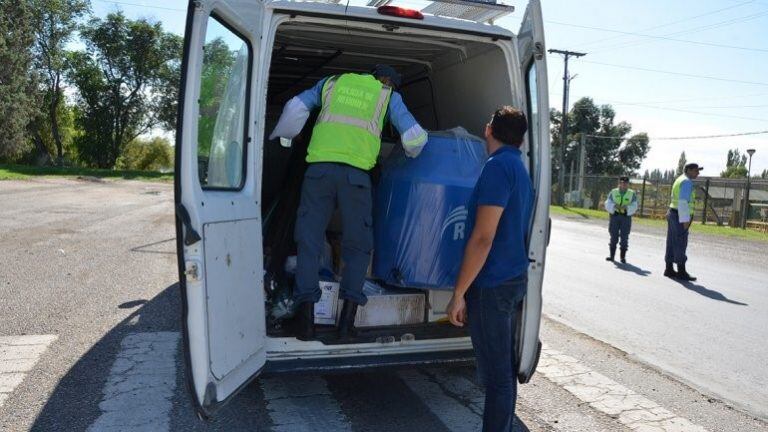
(683, 68)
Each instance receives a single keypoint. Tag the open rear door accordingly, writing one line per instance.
(533, 62)
(218, 215)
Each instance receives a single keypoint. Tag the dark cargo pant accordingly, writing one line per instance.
(619, 227)
(326, 185)
(677, 239)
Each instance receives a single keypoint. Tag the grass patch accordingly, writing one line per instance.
(23, 172)
(697, 227)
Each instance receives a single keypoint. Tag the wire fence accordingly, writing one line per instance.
(732, 202)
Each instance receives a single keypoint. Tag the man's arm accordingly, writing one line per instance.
(610, 206)
(412, 135)
(297, 110)
(632, 207)
(475, 254)
(683, 212)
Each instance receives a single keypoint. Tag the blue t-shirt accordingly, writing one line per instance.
(505, 183)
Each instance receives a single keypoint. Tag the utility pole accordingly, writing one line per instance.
(566, 82)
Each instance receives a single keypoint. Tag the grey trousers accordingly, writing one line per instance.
(325, 186)
(677, 239)
(619, 227)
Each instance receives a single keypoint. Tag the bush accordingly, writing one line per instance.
(154, 154)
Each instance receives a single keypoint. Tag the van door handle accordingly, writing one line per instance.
(190, 235)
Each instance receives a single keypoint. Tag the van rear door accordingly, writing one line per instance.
(534, 72)
(218, 215)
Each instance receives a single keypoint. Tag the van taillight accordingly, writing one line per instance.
(400, 12)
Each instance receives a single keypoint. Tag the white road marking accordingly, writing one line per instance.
(303, 404)
(609, 397)
(455, 400)
(139, 391)
(18, 355)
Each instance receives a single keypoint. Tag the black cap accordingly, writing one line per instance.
(624, 179)
(382, 70)
(692, 166)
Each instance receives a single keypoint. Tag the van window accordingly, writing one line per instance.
(534, 140)
(223, 106)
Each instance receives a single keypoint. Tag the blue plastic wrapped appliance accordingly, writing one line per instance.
(420, 211)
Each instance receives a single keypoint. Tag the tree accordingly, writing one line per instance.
(55, 21)
(681, 163)
(764, 175)
(736, 165)
(121, 80)
(17, 81)
(610, 151)
(154, 154)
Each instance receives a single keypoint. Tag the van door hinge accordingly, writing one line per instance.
(190, 235)
(538, 50)
(192, 271)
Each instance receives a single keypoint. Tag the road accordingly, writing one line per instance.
(89, 341)
(710, 333)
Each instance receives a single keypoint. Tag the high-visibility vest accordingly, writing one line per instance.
(348, 129)
(620, 200)
(675, 198)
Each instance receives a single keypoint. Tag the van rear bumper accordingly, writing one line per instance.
(465, 357)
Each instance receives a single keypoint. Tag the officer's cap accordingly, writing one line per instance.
(693, 166)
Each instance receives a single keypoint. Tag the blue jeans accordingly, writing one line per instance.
(677, 239)
(619, 227)
(492, 314)
(325, 186)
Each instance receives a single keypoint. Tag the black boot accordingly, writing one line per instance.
(347, 320)
(612, 255)
(670, 271)
(304, 321)
(623, 256)
(683, 275)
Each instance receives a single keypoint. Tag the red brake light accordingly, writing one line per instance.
(400, 12)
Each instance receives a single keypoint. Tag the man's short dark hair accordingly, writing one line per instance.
(509, 125)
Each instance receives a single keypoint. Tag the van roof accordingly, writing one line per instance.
(370, 14)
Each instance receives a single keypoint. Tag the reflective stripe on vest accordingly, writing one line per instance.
(617, 199)
(675, 194)
(372, 125)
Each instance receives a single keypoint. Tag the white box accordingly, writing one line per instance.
(326, 309)
(438, 304)
(387, 307)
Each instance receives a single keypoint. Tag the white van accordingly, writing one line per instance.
(242, 60)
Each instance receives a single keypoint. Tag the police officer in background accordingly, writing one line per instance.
(621, 205)
(344, 146)
(679, 218)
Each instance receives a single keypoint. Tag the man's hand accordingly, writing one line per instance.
(686, 225)
(457, 311)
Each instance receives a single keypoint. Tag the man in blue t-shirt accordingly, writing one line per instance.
(493, 277)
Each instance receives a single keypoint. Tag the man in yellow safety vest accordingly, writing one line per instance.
(679, 216)
(344, 146)
(621, 205)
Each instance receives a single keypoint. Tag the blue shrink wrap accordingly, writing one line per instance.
(420, 211)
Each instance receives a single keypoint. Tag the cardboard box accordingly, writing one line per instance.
(390, 306)
(438, 304)
(326, 310)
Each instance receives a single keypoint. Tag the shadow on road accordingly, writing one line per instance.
(632, 268)
(706, 292)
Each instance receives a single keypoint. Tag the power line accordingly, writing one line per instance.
(140, 5)
(660, 37)
(667, 101)
(677, 73)
(686, 137)
(685, 111)
(673, 22)
(688, 31)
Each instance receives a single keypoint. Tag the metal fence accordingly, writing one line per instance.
(721, 201)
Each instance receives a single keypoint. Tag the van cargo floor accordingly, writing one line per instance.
(328, 335)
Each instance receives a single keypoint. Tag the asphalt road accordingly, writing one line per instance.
(89, 340)
(710, 333)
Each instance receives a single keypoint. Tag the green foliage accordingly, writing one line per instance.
(122, 79)
(17, 83)
(764, 175)
(681, 163)
(218, 61)
(155, 154)
(55, 22)
(23, 172)
(736, 165)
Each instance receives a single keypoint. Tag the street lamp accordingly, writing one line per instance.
(746, 194)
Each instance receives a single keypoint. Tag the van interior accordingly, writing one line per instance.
(448, 81)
